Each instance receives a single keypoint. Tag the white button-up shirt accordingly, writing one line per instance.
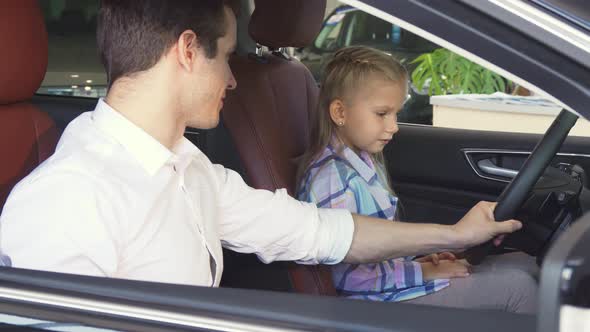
(112, 201)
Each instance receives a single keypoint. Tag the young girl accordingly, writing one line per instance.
(362, 91)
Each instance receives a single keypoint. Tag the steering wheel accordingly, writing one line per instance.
(515, 194)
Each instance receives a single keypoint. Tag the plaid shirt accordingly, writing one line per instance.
(349, 181)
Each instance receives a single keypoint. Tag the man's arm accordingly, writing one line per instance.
(375, 239)
(277, 227)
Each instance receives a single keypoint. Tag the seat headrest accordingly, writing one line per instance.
(292, 23)
(23, 54)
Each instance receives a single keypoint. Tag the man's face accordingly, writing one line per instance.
(206, 90)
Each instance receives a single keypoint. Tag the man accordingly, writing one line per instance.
(126, 195)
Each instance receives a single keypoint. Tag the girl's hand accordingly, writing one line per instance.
(445, 269)
(436, 258)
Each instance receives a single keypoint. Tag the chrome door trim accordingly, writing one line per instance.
(195, 320)
(468, 151)
(488, 167)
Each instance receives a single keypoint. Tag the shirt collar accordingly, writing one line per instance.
(148, 151)
(362, 163)
(183, 153)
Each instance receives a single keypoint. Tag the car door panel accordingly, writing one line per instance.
(146, 306)
(436, 181)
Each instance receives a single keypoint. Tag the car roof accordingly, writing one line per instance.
(574, 11)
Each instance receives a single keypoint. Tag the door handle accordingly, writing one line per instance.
(488, 167)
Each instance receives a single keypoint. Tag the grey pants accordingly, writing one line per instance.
(504, 282)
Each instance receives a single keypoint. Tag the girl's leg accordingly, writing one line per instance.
(501, 283)
(511, 261)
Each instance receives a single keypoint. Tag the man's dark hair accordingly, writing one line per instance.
(132, 35)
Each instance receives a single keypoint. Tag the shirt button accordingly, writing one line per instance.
(174, 167)
(183, 188)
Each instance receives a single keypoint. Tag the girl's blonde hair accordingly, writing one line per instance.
(348, 69)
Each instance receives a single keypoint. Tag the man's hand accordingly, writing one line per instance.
(479, 226)
(445, 269)
(436, 258)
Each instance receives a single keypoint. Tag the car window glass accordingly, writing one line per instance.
(73, 68)
(451, 91)
(368, 30)
(413, 42)
(371, 31)
(354, 29)
(328, 36)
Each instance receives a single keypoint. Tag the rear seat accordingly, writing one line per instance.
(29, 136)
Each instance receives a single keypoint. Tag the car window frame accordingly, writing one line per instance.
(60, 296)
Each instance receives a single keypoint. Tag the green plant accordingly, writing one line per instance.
(449, 73)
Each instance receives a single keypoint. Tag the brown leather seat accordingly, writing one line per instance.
(267, 115)
(27, 135)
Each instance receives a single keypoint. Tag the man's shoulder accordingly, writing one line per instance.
(84, 150)
(57, 176)
(70, 160)
(81, 159)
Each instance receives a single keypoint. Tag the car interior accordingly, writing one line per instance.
(33, 134)
(268, 117)
(263, 131)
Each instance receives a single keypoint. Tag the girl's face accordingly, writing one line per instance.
(368, 120)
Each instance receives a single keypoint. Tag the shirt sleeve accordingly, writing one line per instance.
(386, 276)
(276, 226)
(59, 223)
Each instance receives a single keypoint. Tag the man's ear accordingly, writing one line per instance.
(188, 49)
(338, 112)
